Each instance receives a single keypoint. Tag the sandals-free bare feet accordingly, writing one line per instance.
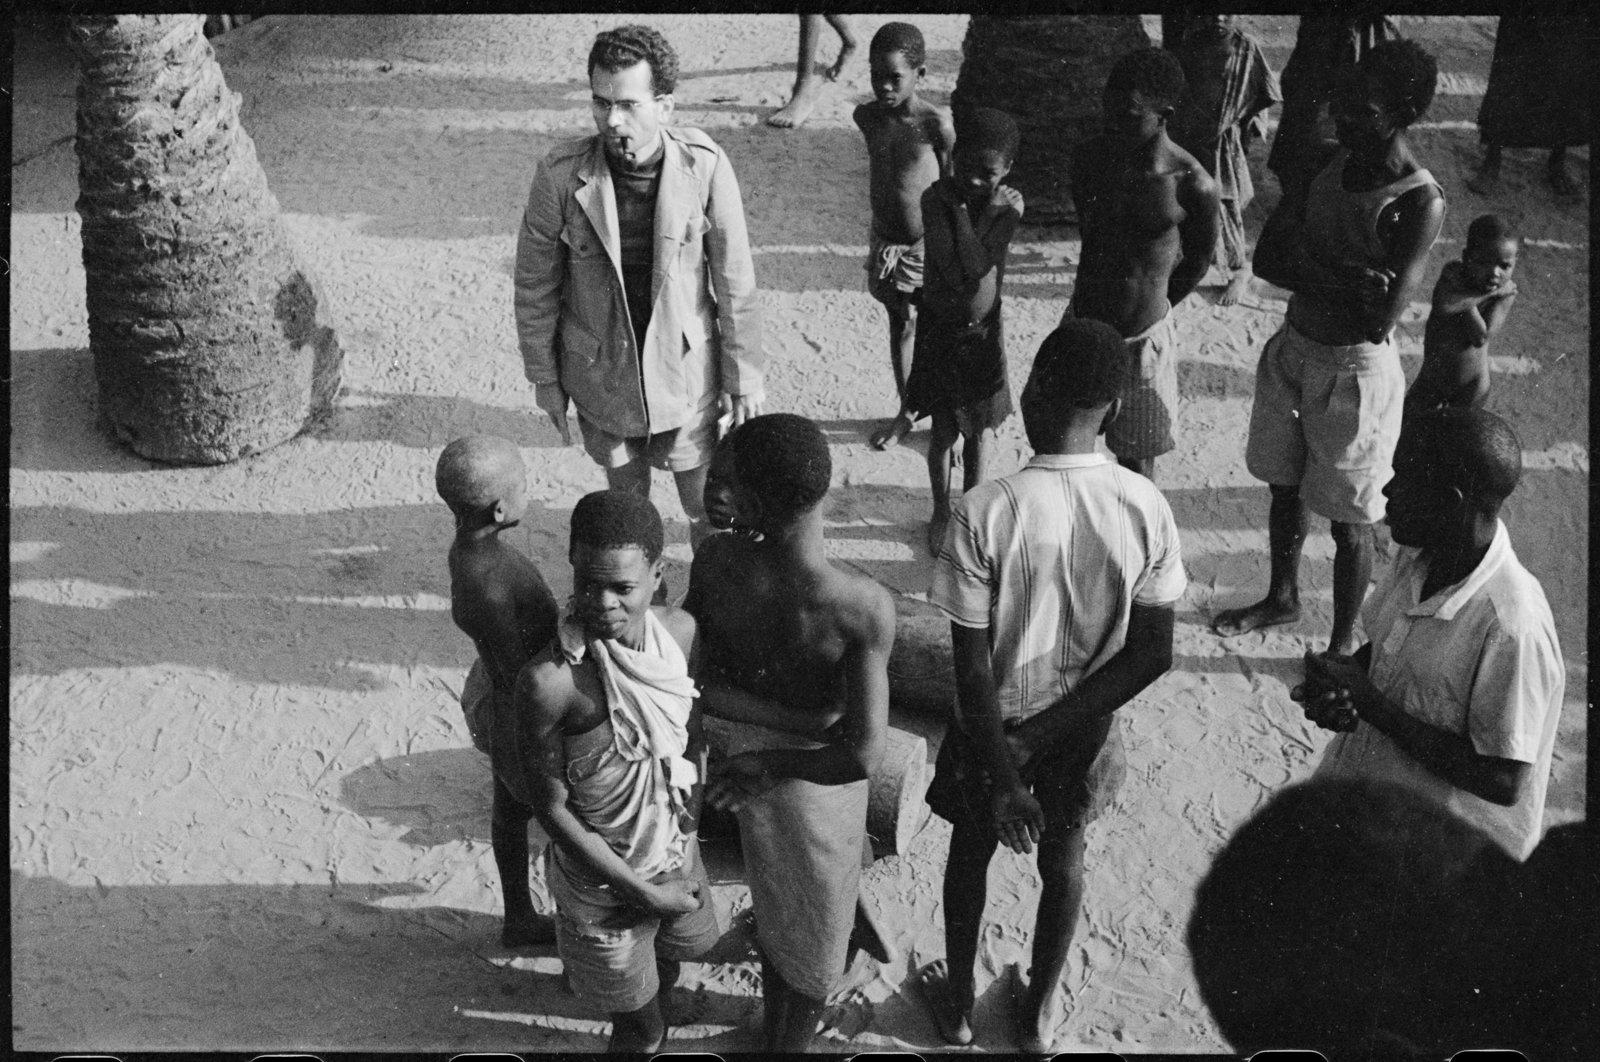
(1025, 1024)
(1264, 613)
(890, 432)
(801, 102)
(932, 985)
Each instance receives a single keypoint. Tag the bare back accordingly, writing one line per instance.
(1130, 218)
(779, 637)
(500, 601)
(907, 154)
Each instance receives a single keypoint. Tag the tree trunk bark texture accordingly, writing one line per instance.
(204, 330)
(1047, 72)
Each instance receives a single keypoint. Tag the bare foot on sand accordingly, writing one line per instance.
(891, 432)
(1026, 1013)
(846, 50)
(936, 529)
(1238, 285)
(932, 984)
(1264, 613)
(523, 931)
(1561, 182)
(798, 109)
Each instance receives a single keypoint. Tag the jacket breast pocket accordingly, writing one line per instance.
(582, 242)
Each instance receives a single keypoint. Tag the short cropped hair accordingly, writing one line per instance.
(1404, 72)
(1154, 73)
(1489, 229)
(900, 37)
(782, 459)
(618, 49)
(614, 519)
(986, 129)
(1469, 448)
(474, 471)
(1081, 364)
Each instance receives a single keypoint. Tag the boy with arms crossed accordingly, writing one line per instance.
(908, 140)
(1060, 582)
(1470, 303)
(1329, 388)
(615, 781)
(500, 601)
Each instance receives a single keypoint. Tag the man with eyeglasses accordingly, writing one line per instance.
(634, 288)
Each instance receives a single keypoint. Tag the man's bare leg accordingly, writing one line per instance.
(807, 81)
(692, 496)
(638, 1031)
(791, 1019)
(1555, 173)
(946, 985)
(941, 445)
(633, 477)
(1352, 571)
(508, 836)
(1286, 537)
(847, 44)
(1060, 901)
(1487, 180)
(974, 458)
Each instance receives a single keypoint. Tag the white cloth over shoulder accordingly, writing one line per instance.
(636, 796)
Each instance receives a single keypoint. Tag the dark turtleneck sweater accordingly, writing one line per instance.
(636, 185)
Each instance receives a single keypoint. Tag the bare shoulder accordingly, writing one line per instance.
(679, 623)
(865, 116)
(865, 609)
(545, 682)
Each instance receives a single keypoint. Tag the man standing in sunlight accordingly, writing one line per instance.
(635, 292)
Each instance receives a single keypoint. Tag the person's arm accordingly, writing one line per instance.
(1016, 814)
(855, 754)
(733, 280)
(1197, 233)
(498, 639)
(540, 272)
(944, 140)
(1498, 308)
(1282, 257)
(978, 250)
(544, 692)
(1452, 757)
(722, 699)
(1420, 215)
(1145, 656)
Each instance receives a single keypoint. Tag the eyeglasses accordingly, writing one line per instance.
(602, 105)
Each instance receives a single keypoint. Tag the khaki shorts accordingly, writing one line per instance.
(1326, 419)
(609, 949)
(679, 449)
(1143, 427)
(893, 267)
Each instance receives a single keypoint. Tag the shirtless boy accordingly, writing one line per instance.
(1148, 211)
(1353, 248)
(1470, 303)
(796, 663)
(616, 764)
(499, 599)
(908, 140)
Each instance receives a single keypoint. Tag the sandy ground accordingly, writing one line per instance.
(244, 809)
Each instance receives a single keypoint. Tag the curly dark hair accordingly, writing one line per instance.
(900, 37)
(612, 519)
(1490, 229)
(1404, 72)
(1081, 364)
(986, 129)
(616, 49)
(783, 460)
(1154, 73)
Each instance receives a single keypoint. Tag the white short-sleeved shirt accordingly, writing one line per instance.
(1479, 658)
(1051, 559)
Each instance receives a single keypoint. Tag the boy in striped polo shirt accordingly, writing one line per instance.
(1060, 582)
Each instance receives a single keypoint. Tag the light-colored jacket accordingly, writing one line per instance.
(704, 337)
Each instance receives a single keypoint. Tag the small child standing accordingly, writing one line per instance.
(1228, 87)
(500, 601)
(1470, 303)
(958, 372)
(908, 141)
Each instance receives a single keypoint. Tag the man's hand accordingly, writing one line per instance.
(553, 400)
(1021, 749)
(1336, 692)
(673, 896)
(737, 409)
(1006, 196)
(739, 780)
(1018, 818)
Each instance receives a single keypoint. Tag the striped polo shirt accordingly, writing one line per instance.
(1051, 559)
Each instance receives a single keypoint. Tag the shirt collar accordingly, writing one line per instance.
(1098, 457)
(1447, 602)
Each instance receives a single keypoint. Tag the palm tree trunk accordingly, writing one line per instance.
(204, 330)
(1047, 72)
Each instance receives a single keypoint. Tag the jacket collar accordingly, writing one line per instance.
(675, 198)
(1447, 602)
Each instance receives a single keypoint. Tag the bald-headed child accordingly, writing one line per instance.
(499, 599)
(1470, 302)
(908, 141)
